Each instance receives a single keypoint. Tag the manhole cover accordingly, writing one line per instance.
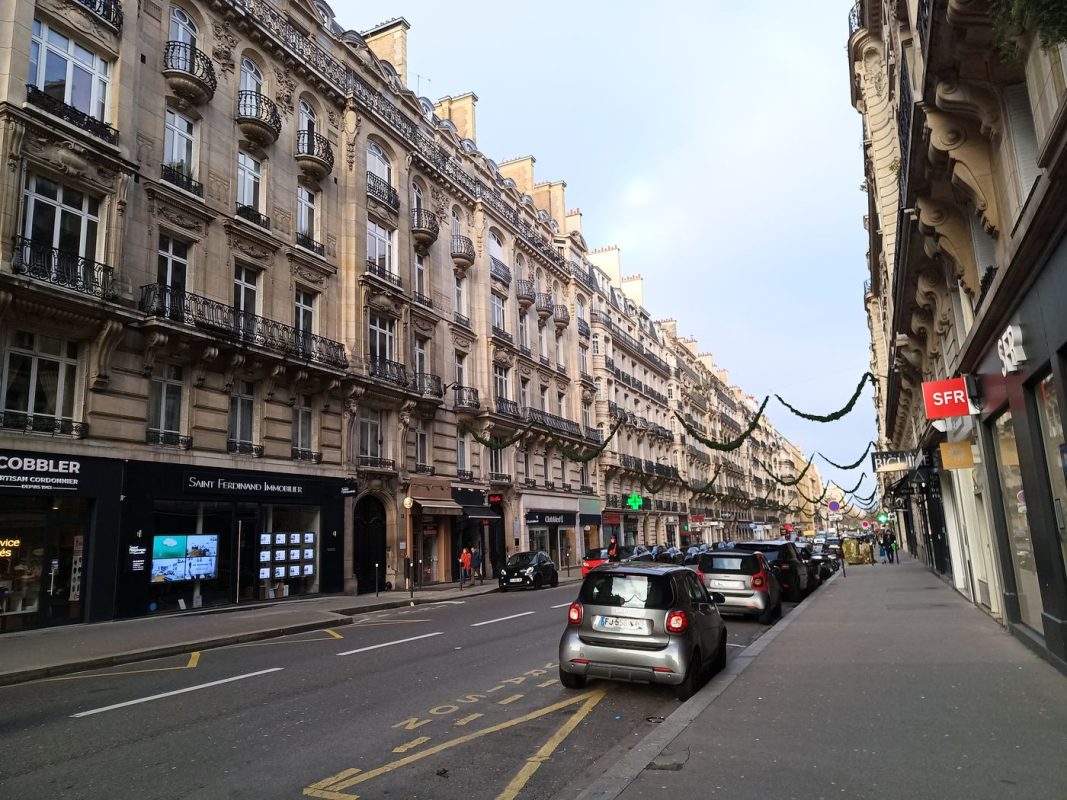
(654, 720)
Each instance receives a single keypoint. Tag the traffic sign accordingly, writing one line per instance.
(865, 524)
(834, 506)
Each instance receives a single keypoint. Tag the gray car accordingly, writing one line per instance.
(644, 623)
(746, 582)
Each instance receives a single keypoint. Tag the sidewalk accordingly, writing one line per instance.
(884, 684)
(33, 654)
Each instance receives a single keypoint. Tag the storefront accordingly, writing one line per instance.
(195, 537)
(553, 532)
(590, 522)
(431, 512)
(479, 526)
(612, 527)
(59, 522)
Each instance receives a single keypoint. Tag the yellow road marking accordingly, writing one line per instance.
(522, 777)
(511, 699)
(329, 795)
(470, 737)
(333, 633)
(495, 689)
(468, 719)
(194, 659)
(411, 723)
(340, 776)
(546, 684)
(279, 641)
(411, 745)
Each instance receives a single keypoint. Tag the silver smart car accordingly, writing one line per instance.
(645, 623)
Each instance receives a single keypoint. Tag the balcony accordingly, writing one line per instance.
(465, 398)
(507, 407)
(530, 483)
(583, 328)
(629, 462)
(461, 319)
(175, 174)
(42, 423)
(241, 327)
(499, 477)
(189, 73)
(524, 350)
(380, 189)
(425, 469)
(305, 241)
(544, 304)
(422, 299)
(593, 434)
(240, 447)
(465, 475)
(462, 253)
(425, 228)
(167, 439)
(524, 293)
(499, 270)
(313, 155)
(383, 273)
(585, 488)
(253, 215)
(609, 363)
(63, 268)
(544, 361)
(374, 462)
(613, 501)
(561, 316)
(543, 418)
(429, 384)
(614, 410)
(503, 335)
(257, 117)
(584, 276)
(108, 10)
(57, 108)
(310, 456)
(389, 371)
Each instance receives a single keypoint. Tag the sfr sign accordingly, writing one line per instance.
(946, 399)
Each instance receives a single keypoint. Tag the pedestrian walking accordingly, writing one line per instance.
(476, 564)
(893, 557)
(464, 566)
(613, 549)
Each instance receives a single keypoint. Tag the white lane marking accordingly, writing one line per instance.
(176, 691)
(731, 644)
(502, 619)
(389, 644)
(447, 603)
(561, 605)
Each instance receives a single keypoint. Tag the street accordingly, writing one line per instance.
(456, 699)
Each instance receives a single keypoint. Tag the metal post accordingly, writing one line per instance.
(568, 563)
(375, 578)
(411, 581)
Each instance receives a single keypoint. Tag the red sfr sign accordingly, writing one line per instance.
(946, 399)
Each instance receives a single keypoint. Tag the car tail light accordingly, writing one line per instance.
(574, 614)
(759, 581)
(579, 660)
(661, 669)
(677, 622)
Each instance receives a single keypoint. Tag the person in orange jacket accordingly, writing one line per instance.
(464, 566)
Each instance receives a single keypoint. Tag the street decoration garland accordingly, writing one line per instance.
(788, 481)
(576, 456)
(706, 488)
(863, 477)
(725, 447)
(817, 503)
(854, 464)
(571, 454)
(494, 444)
(652, 487)
(836, 415)
(866, 501)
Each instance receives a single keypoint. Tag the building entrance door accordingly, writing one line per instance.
(368, 545)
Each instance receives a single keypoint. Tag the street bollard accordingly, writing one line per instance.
(568, 563)
(375, 578)
(411, 580)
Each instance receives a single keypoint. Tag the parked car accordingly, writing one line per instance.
(746, 582)
(531, 568)
(599, 555)
(643, 623)
(791, 572)
(640, 553)
(807, 556)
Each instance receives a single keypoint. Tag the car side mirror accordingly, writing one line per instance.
(718, 598)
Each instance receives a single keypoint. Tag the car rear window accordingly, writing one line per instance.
(596, 555)
(771, 552)
(739, 565)
(521, 559)
(627, 591)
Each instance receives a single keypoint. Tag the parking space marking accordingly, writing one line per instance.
(333, 633)
(194, 660)
(510, 699)
(176, 692)
(502, 619)
(324, 787)
(389, 644)
(546, 684)
(403, 748)
(468, 719)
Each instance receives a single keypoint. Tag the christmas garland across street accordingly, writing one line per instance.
(836, 415)
(854, 464)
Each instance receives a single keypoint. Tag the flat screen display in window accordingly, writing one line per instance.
(185, 558)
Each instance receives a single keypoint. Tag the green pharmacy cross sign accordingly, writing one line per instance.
(635, 501)
(883, 518)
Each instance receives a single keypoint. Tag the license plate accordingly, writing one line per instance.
(515, 580)
(639, 627)
(726, 584)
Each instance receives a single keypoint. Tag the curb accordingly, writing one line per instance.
(626, 770)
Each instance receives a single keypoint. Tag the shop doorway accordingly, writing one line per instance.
(368, 545)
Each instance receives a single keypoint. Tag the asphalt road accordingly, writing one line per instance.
(452, 700)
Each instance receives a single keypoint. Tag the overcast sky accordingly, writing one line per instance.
(714, 143)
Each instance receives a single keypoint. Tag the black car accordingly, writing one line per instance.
(531, 568)
(813, 562)
(787, 565)
(641, 553)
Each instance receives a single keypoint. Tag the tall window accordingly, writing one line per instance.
(68, 72)
(422, 443)
(242, 403)
(461, 452)
(496, 247)
(421, 285)
(306, 219)
(172, 268)
(500, 381)
(526, 465)
(544, 398)
(380, 247)
(249, 175)
(182, 27)
(308, 119)
(496, 459)
(416, 197)
(178, 143)
(524, 334)
(381, 331)
(587, 416)
(524, 392)
(583, 359)
(378, 163)
(461, 369)
(579, 308)
(545, 467)
(245, 283)
(422, 359)
(40, 376)
(559, 350)
(497, 306)
(370, 433)
(599, 386)
(561, 403)
(1023, 138)
(542, 342)
(583, 474)
(165, 402)
(304, 316)
(302, 423)
(61, 217)
(251, 76)
(461, 296)
(457, 226)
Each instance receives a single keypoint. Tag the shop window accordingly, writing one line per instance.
(1052, 440)
(287, 551)
(40, 381)
(1018, 528)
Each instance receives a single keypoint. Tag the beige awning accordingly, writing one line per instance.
(440, 507)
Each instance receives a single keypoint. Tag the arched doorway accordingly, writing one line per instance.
(368, 544)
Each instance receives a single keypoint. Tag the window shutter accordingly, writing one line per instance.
(1023, 137)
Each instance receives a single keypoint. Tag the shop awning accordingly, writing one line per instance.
(480, 512)
(440, 506)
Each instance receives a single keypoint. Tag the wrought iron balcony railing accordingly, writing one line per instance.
(380, 189)
(260, 108)
(108, 10)
(499, 270)
(428, 383)
(629, 462)
(42, 423)
(175, 174)
(57, 108)
(243, 448)
(593, 434)
(378, 271)
(305, 241)
(499, 477)
(302, 454)
(539, 417)
(244, 327)
(462, 319)
(375, 462)
(422, 219)
(543, 302)
(63, 268)
(613, 501)
(182, 57)
(524, 290)
(422, 299)
(585, 488)
(508, 407)
(500, 333)
(584, 275)
(465, 397)
(524, 350)
(424, 469)
(253, 215)
(315, 145)
(561, 314)
(465, 475)
(168, 439)
(856, 17)
(462, 248)
(544, 360)
(583, 327)
(530, 483)
(386, 370)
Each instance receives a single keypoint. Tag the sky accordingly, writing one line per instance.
(714, 142)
